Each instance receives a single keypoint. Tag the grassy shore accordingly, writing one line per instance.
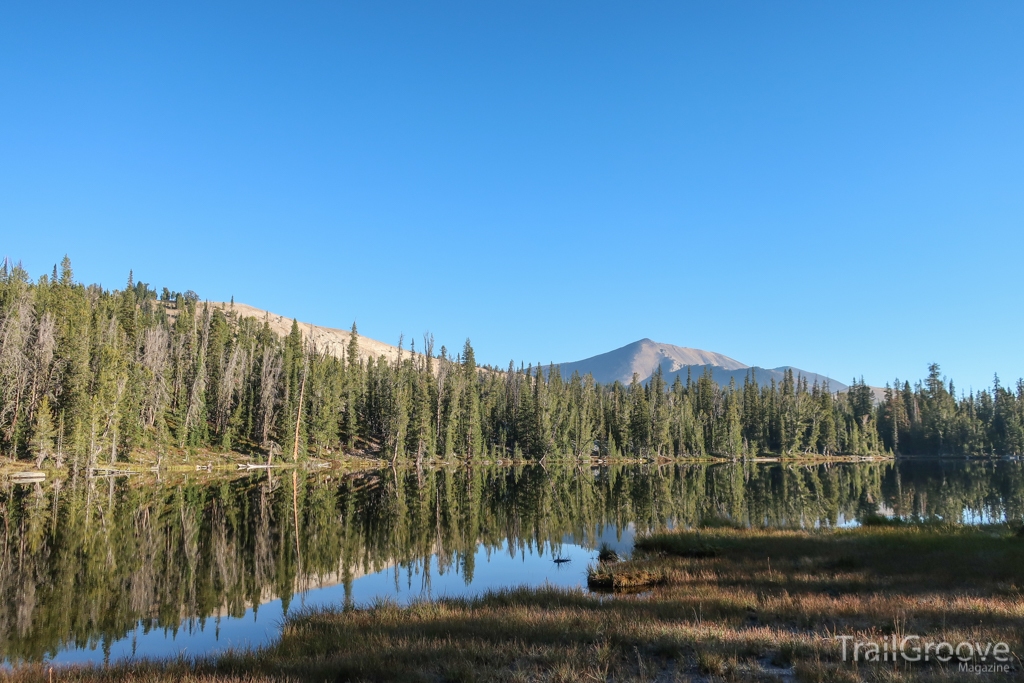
(714, 603)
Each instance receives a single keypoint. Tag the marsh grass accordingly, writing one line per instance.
(765, 605)
(639, 573)
(605, 555)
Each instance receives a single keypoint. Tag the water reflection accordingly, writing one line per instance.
(117, 567)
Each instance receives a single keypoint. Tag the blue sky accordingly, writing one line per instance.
(837, 186)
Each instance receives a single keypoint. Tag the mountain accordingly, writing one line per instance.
(641, 357)
(645, 356)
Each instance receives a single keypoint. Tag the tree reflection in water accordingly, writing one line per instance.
(84, 563)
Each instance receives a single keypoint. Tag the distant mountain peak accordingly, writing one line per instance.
(644, 356)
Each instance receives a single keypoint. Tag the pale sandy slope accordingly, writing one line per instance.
(333, 341)
(641, 357)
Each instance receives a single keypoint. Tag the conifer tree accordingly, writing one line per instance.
(469, 413)
(43, 433)
(124, 370)
(353, 385)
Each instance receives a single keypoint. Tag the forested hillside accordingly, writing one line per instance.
(89, 376)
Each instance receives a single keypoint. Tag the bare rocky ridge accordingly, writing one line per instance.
(329, 339)
(642, 357)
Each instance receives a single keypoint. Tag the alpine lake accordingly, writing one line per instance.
(103, 569)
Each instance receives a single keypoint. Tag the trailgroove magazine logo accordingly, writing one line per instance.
(972, 656)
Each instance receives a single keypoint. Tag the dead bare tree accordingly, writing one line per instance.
(43, 345)
(156, 351)
(270, 373)
(15, 365)
(231, 382)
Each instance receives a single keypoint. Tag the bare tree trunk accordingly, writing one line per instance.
(270, 371)
(155, 354)
(298, 416)
(295, 518)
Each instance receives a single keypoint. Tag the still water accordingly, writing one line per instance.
(104, 569)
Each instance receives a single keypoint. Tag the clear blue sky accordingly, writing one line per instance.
(837, 186)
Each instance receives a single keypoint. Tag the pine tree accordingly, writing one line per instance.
(353, 385)
(43, 433)
(469, 410)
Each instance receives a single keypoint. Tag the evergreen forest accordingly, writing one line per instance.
(90, 376)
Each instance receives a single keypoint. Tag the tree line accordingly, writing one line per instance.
(89, 375)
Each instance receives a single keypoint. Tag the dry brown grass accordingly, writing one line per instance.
(764, 605)
(626, 576)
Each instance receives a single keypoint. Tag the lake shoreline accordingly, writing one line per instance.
(233, 461)
(717, 602)
(122, 568)
(148, 462)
